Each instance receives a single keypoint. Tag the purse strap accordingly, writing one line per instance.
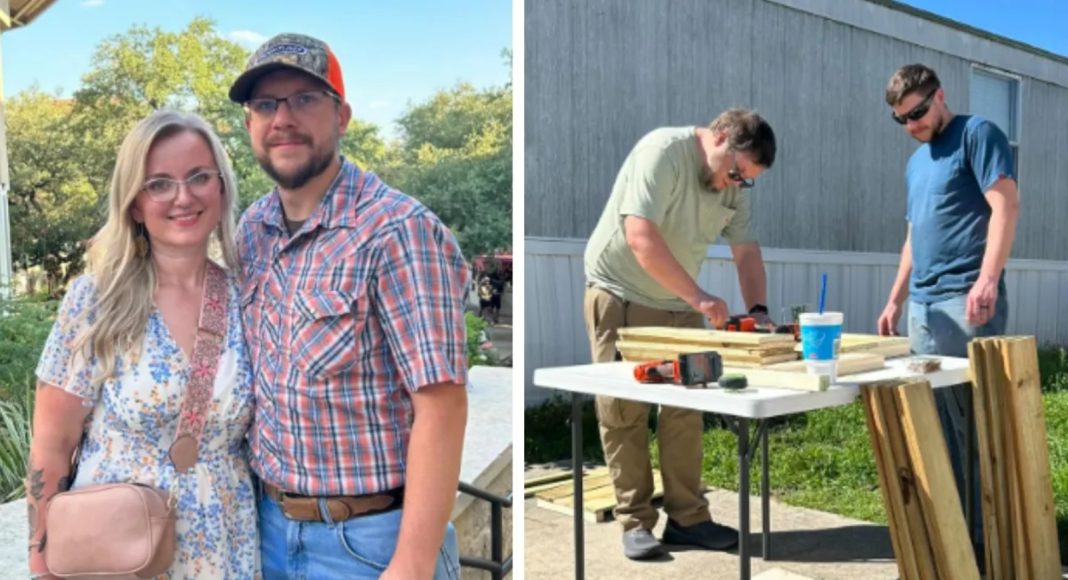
(207, 350)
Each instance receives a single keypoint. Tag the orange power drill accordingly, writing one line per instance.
(688, 369)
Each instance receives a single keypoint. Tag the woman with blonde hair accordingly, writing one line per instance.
(125, 349)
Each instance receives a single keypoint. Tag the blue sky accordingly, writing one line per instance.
(1040, 23)
(391, 53)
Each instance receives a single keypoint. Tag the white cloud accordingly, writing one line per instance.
(246, 38)
(92, 3)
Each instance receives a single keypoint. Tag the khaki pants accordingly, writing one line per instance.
(624, 424)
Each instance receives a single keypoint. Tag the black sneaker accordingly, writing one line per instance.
(709, 535)
(641, 544)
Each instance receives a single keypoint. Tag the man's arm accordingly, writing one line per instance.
(1004, 200)
(752, 277)
(887, 323)
(433, 472)
(653, 255)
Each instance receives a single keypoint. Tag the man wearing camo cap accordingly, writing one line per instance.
(353, 301)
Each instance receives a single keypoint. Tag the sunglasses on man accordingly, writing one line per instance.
(734, 174)
(917, 112)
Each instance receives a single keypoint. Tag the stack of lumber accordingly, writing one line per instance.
(885, 346)
(598, 494)
(1019, 523)
(738, 349)
(927, 526)
(849, 363)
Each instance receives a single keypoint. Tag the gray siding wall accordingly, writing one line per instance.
(601, 73)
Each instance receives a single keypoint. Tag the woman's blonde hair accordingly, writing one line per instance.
(125, 280)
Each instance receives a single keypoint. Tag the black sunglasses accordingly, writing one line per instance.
(736, 176)
(917, 112)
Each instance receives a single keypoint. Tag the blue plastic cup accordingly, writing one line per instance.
(821, 342)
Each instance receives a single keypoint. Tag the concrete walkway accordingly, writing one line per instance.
(805, 544)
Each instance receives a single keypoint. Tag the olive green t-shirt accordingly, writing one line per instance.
(660, 180)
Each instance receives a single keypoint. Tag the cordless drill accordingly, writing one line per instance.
(688, 369)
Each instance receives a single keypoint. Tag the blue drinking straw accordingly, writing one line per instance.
(823, 290)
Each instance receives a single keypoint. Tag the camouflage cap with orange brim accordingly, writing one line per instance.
(293, 52)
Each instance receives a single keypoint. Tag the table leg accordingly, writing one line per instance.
(765, 501)
(576, 478)
(743, 498)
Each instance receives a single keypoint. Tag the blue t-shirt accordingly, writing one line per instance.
(947, 209)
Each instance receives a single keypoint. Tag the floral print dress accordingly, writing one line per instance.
(134, 420)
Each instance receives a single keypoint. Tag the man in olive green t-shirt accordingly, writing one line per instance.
(678, 190)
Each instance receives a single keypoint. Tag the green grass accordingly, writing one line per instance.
(820, 460)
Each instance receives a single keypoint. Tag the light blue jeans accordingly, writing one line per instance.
(357, 548)
(941, 328)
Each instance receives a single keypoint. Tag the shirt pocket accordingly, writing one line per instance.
(325, 325)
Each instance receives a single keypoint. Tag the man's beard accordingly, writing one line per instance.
(707, 179)
(299, 178)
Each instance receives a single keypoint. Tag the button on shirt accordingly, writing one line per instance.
(344, 320)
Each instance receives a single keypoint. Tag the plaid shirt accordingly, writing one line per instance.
(344, 320)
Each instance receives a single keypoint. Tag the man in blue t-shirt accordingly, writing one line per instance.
(962, 211)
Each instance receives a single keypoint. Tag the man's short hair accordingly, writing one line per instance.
(747, 132)
(911, 78)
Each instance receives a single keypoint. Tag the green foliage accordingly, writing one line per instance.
(1053, 368)
(456, 157)
(14, 448)
(476, 336)
(547, 432)
(53, 202)
(24, 326)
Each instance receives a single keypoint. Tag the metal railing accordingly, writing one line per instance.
(498, 566)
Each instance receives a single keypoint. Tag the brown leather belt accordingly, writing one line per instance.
(341, 507)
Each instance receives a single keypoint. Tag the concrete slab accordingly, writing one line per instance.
(14, 531)
(806, 544)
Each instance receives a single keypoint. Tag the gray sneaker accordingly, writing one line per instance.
(641, 544)
(709, 535)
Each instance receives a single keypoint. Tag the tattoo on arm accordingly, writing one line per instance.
(36, 483)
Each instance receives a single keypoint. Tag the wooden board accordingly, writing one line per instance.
(781, 379)
(1031, 449)
(849, 363)
(702, 336)
(937, 489)
(725, 352)
(886, 346)
(598, 496)
(647, 351)
(890, 483)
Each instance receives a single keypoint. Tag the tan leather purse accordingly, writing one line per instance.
(127, 530)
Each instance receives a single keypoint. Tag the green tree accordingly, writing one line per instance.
(455, 155)
(145, 69)
(53, 202)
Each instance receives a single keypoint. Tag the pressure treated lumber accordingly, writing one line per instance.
(703, 336)
(927, 527)
(849, 363)
(1021, 538)
(644, 351)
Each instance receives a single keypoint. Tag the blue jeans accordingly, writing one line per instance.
(941, 328)
(357, 548)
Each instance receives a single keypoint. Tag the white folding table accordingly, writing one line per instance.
(754, 404)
